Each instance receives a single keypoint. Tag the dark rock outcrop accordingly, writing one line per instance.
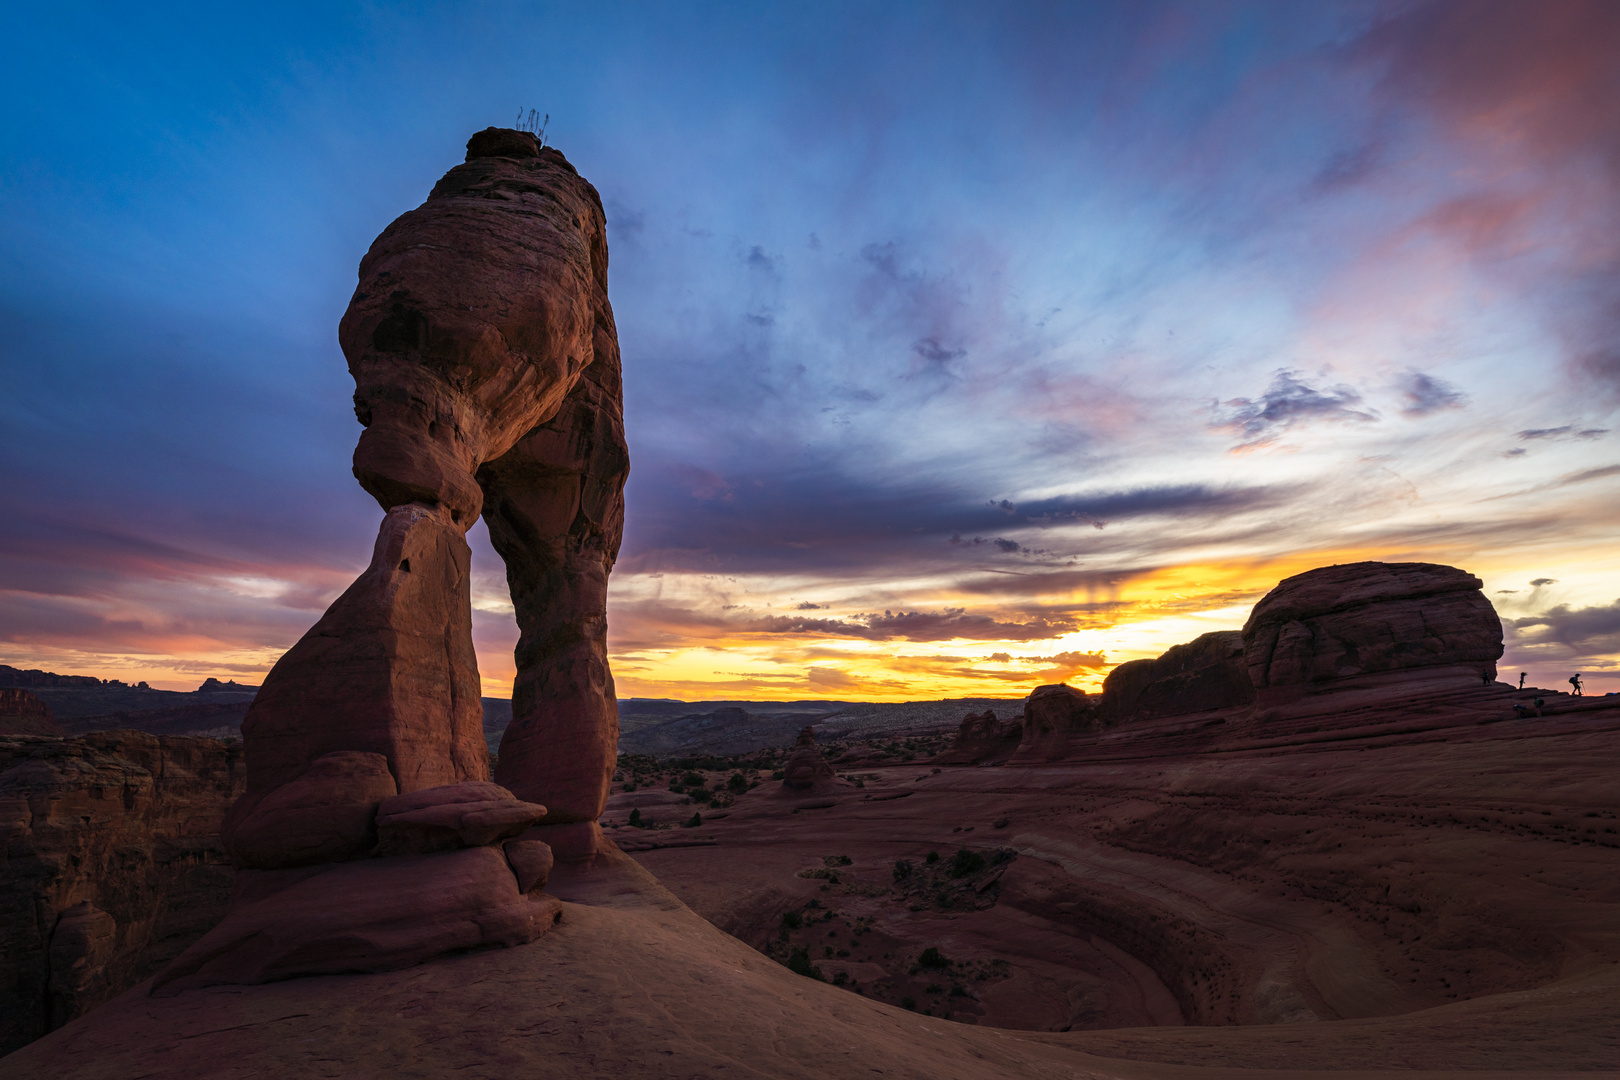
(112, 866)
(21, 713)
(1052, 714)
(1207, 673)
(1369, 625)
(981, 738)
(806, 772)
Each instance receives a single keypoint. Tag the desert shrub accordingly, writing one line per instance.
(635, 821)
(933, 857)
(845, 860)
(902, 869)
(692, 779)
(738, 783)
(909, 1003)
(778, 774)
(841, 978)
(957, 991)
(792, 920)
(697, 819)
(931, 959)
(967, 861)
(630, 786)
(799, 963)
(933, 988)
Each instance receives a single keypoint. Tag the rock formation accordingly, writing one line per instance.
(1371, 625)
(112, 866)
(1052, 715)
(1204, 674)
(982, 738)
(21, 713)
(806, 771)
(486, 372)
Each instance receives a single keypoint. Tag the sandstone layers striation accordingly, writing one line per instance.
(112, 866)
(22, 713)
(486, 370)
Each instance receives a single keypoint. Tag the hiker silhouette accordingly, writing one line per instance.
(1522, 674)
(1575, 681)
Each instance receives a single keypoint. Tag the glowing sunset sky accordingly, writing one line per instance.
(967, 347)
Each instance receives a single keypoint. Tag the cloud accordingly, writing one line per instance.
(1287, 402)
(1568, 431)
(1592, 629)
(1540, 581)
(1426, 394)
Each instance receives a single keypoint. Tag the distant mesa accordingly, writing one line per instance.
(214, 686)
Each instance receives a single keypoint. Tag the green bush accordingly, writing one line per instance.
(799, 963)
(692, 779)
(902, 869)
(933, 857)
(967, 861)
(738, 783)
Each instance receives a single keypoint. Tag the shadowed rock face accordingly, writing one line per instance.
(1360, 621)
(21, 713)
(805, 769)
(1206, 673)
(1052, 715)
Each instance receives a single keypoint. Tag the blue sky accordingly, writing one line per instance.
(966, 346)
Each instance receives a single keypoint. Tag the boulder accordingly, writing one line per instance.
(1371, 624)
(326, 815)
(370, 915)
(1207, 673)
(531, 862)
(1052, 715)
(454, 816)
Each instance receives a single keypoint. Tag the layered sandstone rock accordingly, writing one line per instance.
(112, 866)
(1207, 673)
(486, 369)
(1371, 624)
(806, 771)
(982, 738)
(1052, 715)
(21, 713)
(487, 375)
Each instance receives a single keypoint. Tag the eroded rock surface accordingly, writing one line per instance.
(1369, 623)
(1207, 673)
(983, 738)
(112, 866)
(806, 771)
(21, 713)
(1052, 716)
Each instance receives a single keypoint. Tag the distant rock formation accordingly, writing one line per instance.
(981, 738)
(10, 676)
(230, 686)
(113, 866)
(486, 372)
(1370, 625)
(1207, 673)
(1052, 715)
(806, 771)
(21, 713)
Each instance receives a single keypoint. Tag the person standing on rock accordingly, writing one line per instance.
(1522, 675)
(1575, 681)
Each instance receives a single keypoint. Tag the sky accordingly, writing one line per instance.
(967, 346)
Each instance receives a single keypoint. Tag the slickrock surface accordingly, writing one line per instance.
(1370, 624)
(112, 866)
(1323, 873)
(1207, 673)
(22, 713)
(632, 984)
